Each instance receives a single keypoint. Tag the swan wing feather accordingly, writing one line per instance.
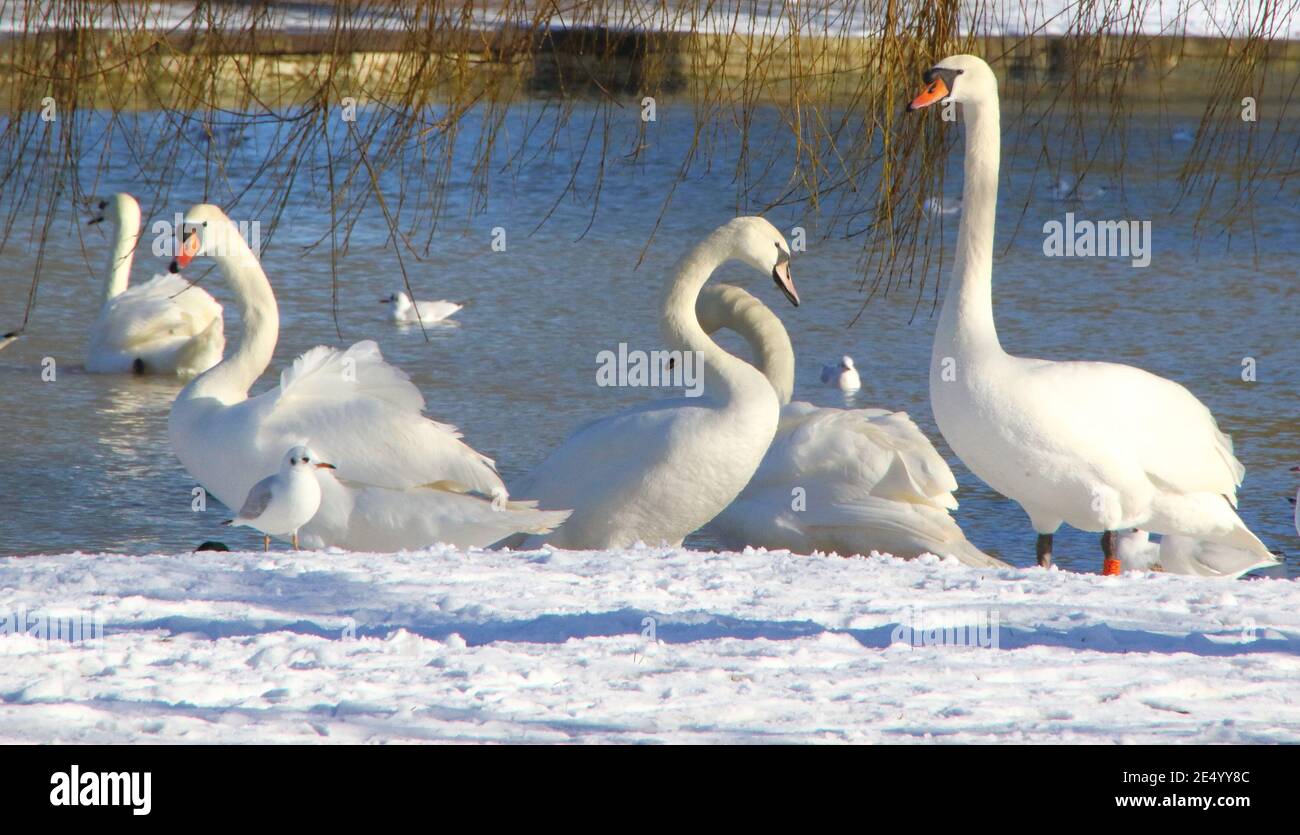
(365, 416)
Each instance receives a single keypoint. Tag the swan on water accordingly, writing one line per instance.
(1097, 445)
(659, 471)
(402, 480)
(163, 326)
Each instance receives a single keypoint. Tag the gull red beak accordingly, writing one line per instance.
(323, 466)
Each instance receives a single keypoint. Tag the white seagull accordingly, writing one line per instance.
(407, 312)
(1296, 501)
(163, 326)
(9, 337)
(280, 504)
(843, 375)
(1097, 445)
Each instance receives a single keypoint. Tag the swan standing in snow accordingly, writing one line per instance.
(1099, 446)
(407, 312)
(1176, 554)
(659, 471)
(402, 480)
(164, 326)
(280, 504)
(843, 376)
(848, 481)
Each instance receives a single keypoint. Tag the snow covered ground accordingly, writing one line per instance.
(653, 644)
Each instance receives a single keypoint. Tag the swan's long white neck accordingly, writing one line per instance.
(230, 380)
(117, 275)
(725, 306)
(725, 377)
(966, 324)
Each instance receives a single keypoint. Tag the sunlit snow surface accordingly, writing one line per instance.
(648, 645)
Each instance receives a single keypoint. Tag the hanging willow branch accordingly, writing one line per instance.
(174, 92)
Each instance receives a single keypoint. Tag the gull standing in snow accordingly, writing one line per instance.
(407, 312)
(844, 376)
(282, 503)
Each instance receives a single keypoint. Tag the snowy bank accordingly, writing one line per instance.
(646, 645)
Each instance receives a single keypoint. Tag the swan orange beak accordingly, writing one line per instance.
(937, 90)
(188, 249)
(781, 275)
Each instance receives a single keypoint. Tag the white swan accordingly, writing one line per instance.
(848, 481)
(843, 375)
(658, 472)
(1176, 554)
(402, 480)
(164, 326)
(1100, 446)
(407, 312)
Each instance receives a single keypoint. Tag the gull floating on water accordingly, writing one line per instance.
(282, 503)
(936, 206)
(407, 312)
(9, 337)
(844, 375)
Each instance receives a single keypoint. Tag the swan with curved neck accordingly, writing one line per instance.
(164, 326)
(1100, 446)
(865, 479)
(400, 480)
(658, 472)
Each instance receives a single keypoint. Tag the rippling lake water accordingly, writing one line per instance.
(85, 463)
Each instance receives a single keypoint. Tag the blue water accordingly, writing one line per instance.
(85, 463)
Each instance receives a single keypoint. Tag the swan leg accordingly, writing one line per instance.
(1109, 562)
(1044, 550)
(266, 543)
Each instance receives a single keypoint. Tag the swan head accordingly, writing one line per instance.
(846, 362)
(761, 245)
(206, 231)
(305, 457)
(965, 79)
(121, 210)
